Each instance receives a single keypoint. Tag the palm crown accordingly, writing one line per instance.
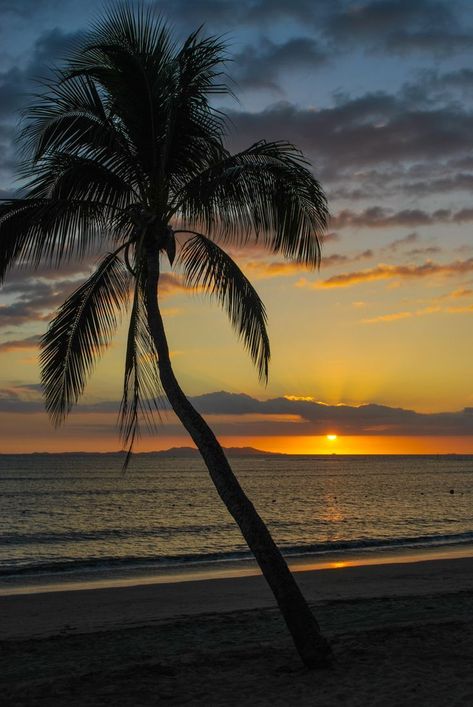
(122, 150)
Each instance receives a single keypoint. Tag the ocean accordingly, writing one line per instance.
(76, 517)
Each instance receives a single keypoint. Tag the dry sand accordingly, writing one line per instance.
(402, 635)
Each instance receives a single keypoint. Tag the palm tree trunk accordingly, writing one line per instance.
(310, 644)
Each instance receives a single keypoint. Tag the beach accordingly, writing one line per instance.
(402, 634)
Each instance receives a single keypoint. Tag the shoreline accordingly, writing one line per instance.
(49, 613)
(225, 569)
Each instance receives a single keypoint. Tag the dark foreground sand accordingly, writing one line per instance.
(402, 635)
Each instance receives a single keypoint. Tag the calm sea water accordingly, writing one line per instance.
(72, 514)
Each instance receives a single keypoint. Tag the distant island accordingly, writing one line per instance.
(190, 452)
(173, 452)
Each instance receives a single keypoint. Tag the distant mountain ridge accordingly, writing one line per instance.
(172, 452)
(185, 452)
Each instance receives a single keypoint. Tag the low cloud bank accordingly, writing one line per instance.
(245, 415)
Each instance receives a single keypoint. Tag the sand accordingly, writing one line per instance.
(402, 635)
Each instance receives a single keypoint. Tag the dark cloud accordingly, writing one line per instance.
(26, 8)
(229, 14)
(21, 275)
(408, 240)
(437, 84)
(17, 84)
(395, 26)
(427, 250)
(34, 300)
(457, 182)
(341, 419)
(30, 342)
(337, 259)
(400, 26)
(259, 65)
(280, 415)
(378, 217)
(374, 129)
(421, 179)
(16, 87)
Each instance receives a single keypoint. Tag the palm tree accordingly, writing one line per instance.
(123, 150)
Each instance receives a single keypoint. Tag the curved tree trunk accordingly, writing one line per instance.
(311, 645)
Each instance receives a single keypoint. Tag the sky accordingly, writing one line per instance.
(375, 347)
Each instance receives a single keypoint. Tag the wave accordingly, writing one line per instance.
(78, 536)
(130, 563)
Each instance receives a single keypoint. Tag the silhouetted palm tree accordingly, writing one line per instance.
(122, 150)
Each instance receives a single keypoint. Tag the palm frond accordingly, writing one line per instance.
(156, 92)
(142, 388)
(266, 192)
(34, 230)
(194, 128)
(128, 56)
(79, 333)
(208, 267)
(70, 113)
(62, 176)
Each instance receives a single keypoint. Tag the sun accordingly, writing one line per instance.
(331, 438)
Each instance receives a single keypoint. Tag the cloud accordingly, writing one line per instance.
(374, 129)
(259, 65)
(378, 217)
(239, 413)
(394, 26)
(35, 301)
(37, 298)
(428, 250)
(171, 284)
(409, 240)
(30, 342)
(227, 13)
(344, 419)
(16, 84)
(387, 272)
(376, 183)
(26, 8)
(259, 269)
(462, 292)
(400, 26)
(396, 316)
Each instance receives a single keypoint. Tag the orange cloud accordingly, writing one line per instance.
(419, 313)
(261, 269)
(264, 270)
(170, 284)
(387, 272)
(389, 317)
(462, 292)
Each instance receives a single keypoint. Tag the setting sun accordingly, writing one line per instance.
(331, 438)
